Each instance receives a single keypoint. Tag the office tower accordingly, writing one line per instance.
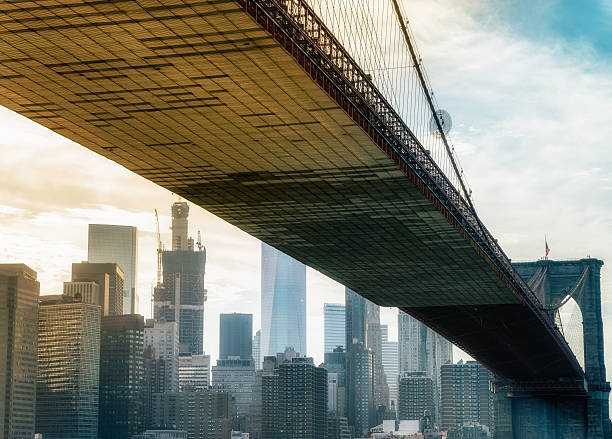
(283, 302)
(86, 292)
(332, 392)
(235, 332)
(162, 434)
(363, 326)
(194, 372)
(237, 376)
(390, 360)
(121, 376)
(361, 394)
(416, 397)
(118, 244)
(466, 395)
(203, 414)
(334, 326)
(181, 296)
(257, 350)
(303, 399)
(422, 350)
(335, 363)
(19, 293)
(68, 368)
(163, 341)
(109, 277)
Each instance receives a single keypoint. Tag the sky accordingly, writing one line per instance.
(529, 88)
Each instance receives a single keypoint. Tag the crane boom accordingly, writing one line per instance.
(159, 249)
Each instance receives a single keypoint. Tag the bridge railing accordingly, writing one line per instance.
(302, 29)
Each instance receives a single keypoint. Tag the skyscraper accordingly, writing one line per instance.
(283, 302)
(363, 326)
(335, 363)
(181, 296)
(361, 407)
(303, 399)
(121, 376)
(163, 341)
(416, 397)
(466, 395)
(423, 350)
(390, 359)
(257, 360)
(109, 278)
(68, 368)
(118, 244)
(194, 372)
(334, 316)
(19, 291)
(236, 376)
(235, 332)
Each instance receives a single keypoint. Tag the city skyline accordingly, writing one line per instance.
(78, 202)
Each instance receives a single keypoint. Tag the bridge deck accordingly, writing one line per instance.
(199, 98)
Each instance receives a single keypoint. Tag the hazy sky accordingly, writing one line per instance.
(529, 88)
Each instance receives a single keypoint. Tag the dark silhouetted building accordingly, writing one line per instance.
(118, 244)
(109, 277)
(181, 296)
(121, 377)
(416, 396)
(68, 368)
(235, 336)
(466, 395)
(19, 291)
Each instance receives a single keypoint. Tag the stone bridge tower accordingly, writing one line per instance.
(552, 413)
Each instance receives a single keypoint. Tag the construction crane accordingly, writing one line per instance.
(159, 250)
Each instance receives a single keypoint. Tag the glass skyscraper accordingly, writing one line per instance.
(334, 315)
(283, 302)
(118, 244)
(390, 360)
(235, 332)
(68, 368)
(422, 350)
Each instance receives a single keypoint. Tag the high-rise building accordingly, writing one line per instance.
(283, 302)
(109, 278)
(361, 407)
(194, 372)
(203, 414)
(118, 244)
(466, 395)
(256, 352)
(416, 397)
(335, 363)
(235, 332)
(337, 427)
(293, 398)
(303, 399)
(181, 296)
(237, 376)
(86, 292)
(423, 350)
(19, 291)
(68, 368)
(390, 360)
(363, 326)
(334, 326)
(121, 376)
(163, 342)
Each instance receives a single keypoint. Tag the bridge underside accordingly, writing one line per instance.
(198, 98)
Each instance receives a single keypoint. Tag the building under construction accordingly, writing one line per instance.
(181, 295)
